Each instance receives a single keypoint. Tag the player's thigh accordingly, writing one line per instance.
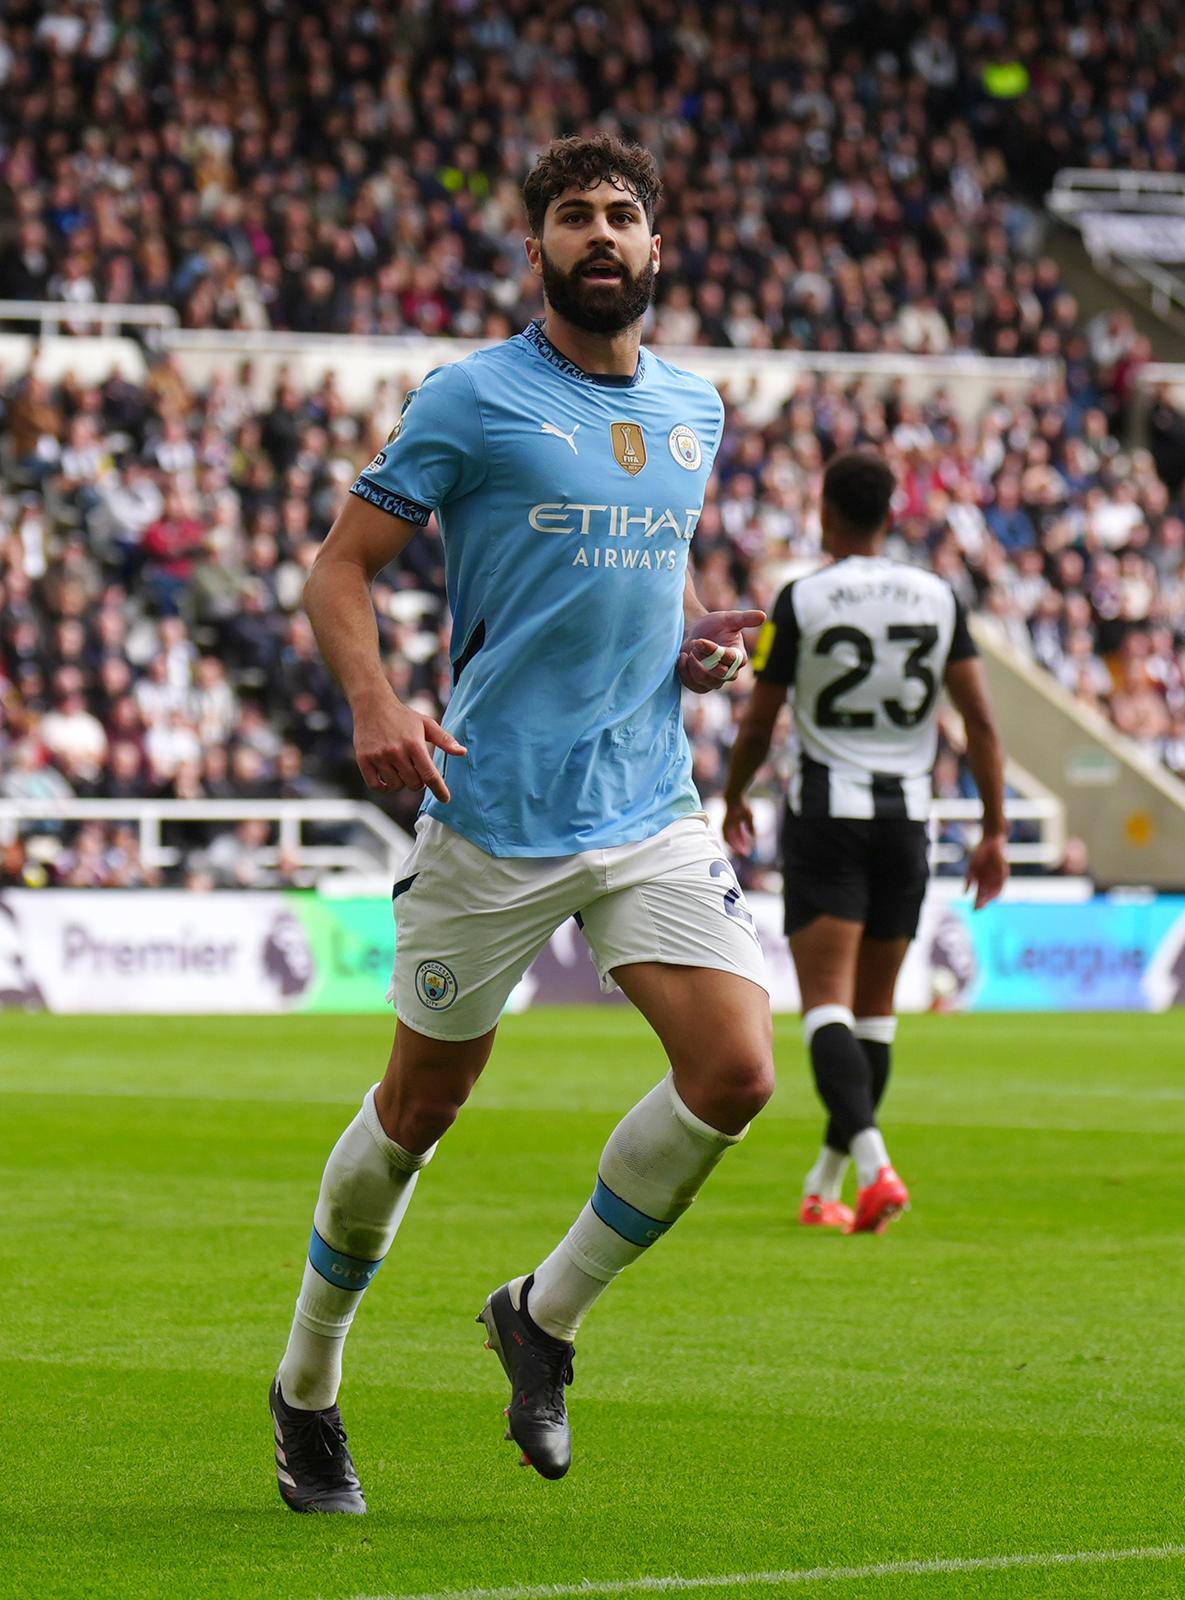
(877, 966)
(825, 954)
(716, 1029)
(426, 1083)
(467, 926)
(675, 901)
(680, 941)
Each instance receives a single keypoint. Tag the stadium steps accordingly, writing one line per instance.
(1129, 808)
(1098, 291)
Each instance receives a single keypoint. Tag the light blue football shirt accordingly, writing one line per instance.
(566, 502)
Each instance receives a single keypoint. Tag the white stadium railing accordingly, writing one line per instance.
(373, 373)
(761, 379)
(388, 843)
(52, 315)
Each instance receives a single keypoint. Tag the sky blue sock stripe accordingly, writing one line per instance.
(633, 1225)
(339, 1269)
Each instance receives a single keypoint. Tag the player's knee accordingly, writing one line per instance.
(739, 1089)
(428, 1122)
(417, 1122)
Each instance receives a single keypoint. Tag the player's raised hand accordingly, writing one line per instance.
(740, 831)
(987, 871)
(393, 745)
(713, 650)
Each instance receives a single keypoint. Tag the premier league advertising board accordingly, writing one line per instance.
(110, 951)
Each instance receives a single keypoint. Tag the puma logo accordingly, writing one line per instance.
(558, 433)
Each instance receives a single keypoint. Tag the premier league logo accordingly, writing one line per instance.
(435, 985)
(685, 447)
(287, 959)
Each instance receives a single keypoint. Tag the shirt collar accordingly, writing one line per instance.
(534, 335)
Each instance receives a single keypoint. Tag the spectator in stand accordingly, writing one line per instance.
(170, 549)
(1007, 520)
(70, 734)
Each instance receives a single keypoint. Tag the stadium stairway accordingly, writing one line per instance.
(1129, 808)
(1099, 292)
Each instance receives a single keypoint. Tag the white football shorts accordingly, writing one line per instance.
(468, 924)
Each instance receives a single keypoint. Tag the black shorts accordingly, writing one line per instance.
(873, 872)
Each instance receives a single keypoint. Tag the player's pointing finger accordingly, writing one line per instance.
(442, 738)
(427, 773)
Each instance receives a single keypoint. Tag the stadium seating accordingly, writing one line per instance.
(858, 186)
(851, 179)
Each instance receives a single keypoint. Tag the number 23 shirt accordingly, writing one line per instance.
(864, 645)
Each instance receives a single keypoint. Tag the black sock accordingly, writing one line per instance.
(843, 1077)
(879, 1059)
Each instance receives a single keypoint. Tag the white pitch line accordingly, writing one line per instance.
(775, 1580)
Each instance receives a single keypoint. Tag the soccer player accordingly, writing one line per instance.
(865, 643)
(567, 467)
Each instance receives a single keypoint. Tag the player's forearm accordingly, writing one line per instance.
(749, 751)
(692, 609)
(985, 757)
(338, 604)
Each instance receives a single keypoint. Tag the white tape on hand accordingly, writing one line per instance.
(719, 653)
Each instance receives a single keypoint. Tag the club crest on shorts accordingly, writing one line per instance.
(685, 446)
(435, 985)
(629, 446)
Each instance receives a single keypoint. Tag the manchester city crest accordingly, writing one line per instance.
(435, 985)
(685, 447)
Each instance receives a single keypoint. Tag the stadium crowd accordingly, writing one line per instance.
(154, 542)
(845, 176)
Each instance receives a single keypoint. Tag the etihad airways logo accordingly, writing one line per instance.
(616, 522)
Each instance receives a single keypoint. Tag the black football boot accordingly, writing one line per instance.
(313, 1461)
(540, 1369)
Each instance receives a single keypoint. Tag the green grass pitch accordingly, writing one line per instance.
(1001, 1374)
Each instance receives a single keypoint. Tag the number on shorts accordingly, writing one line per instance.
(733, 903)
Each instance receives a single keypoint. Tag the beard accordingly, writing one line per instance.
(597, 307)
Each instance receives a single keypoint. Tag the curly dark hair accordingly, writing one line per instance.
(582, 164)
(859, 485)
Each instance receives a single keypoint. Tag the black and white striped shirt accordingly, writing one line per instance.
(864, 645)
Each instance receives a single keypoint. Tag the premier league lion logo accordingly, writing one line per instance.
(287, 959)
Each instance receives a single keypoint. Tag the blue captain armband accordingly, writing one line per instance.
(398, 505)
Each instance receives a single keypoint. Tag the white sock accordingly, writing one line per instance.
(365, 1192)
(657, 1159)
(869, 1154)
(826, 1176)
(879, 1030)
